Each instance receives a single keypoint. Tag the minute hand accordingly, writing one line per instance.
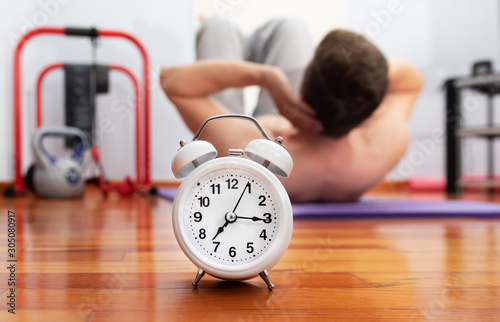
(241, 196)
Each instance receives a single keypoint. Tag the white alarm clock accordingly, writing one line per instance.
(231, 216)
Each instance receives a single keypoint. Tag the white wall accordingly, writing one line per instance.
(165, 27)
(5, 154)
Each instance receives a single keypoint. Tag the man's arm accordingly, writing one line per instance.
(189, 87)
(405, 83)
(206, 77)
(386, 133)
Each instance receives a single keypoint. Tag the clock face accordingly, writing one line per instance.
(231, 216)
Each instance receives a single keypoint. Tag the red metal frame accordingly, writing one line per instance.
(39, 109)
(39, 81)
(19, 185)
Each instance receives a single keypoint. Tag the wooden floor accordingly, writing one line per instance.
(117, 260)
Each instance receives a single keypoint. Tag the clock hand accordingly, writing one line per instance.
(247, 185)
(230, 218)
(221, 229)
(252, 218)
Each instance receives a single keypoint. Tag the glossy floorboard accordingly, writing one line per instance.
(117, 260)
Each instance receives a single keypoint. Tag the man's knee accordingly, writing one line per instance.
(216, 25)
(218, 38)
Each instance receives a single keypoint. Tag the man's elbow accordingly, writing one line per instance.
(404, 76)
(167, 81)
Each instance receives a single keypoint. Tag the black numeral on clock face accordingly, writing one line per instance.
(250, 247)
(216, 246)
(232, 183)
(204, 201)
(232, 251)
(263, 234)
(215, 188)
(203, 233)
(197, 216)
(268, 219)
(262, 201)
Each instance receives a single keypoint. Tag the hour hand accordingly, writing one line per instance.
(252, 218)
(267, 220)
(221, 229)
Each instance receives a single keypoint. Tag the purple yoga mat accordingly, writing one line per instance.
(385, 208)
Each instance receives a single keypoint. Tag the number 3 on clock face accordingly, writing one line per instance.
(235, 219)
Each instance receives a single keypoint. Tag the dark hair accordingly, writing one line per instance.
(345, 81)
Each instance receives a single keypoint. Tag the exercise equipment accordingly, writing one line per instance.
(142, 102)
(126, 187)
(57, 176)
(82, 83)
(483, 80)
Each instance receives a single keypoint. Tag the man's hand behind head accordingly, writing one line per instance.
(290, 106)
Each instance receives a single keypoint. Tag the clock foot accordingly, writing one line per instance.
(265, 276)
(199, 276)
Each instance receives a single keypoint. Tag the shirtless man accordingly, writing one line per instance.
(343, 114)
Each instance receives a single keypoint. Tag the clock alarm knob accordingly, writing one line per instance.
(272, 155)
(190, 156)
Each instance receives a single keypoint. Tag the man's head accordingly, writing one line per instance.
(345, 82)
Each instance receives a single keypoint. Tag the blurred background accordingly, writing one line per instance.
(443, 38)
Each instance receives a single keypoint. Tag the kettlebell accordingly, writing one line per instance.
(57, 176)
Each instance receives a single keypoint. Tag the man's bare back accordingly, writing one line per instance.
(341, 169)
